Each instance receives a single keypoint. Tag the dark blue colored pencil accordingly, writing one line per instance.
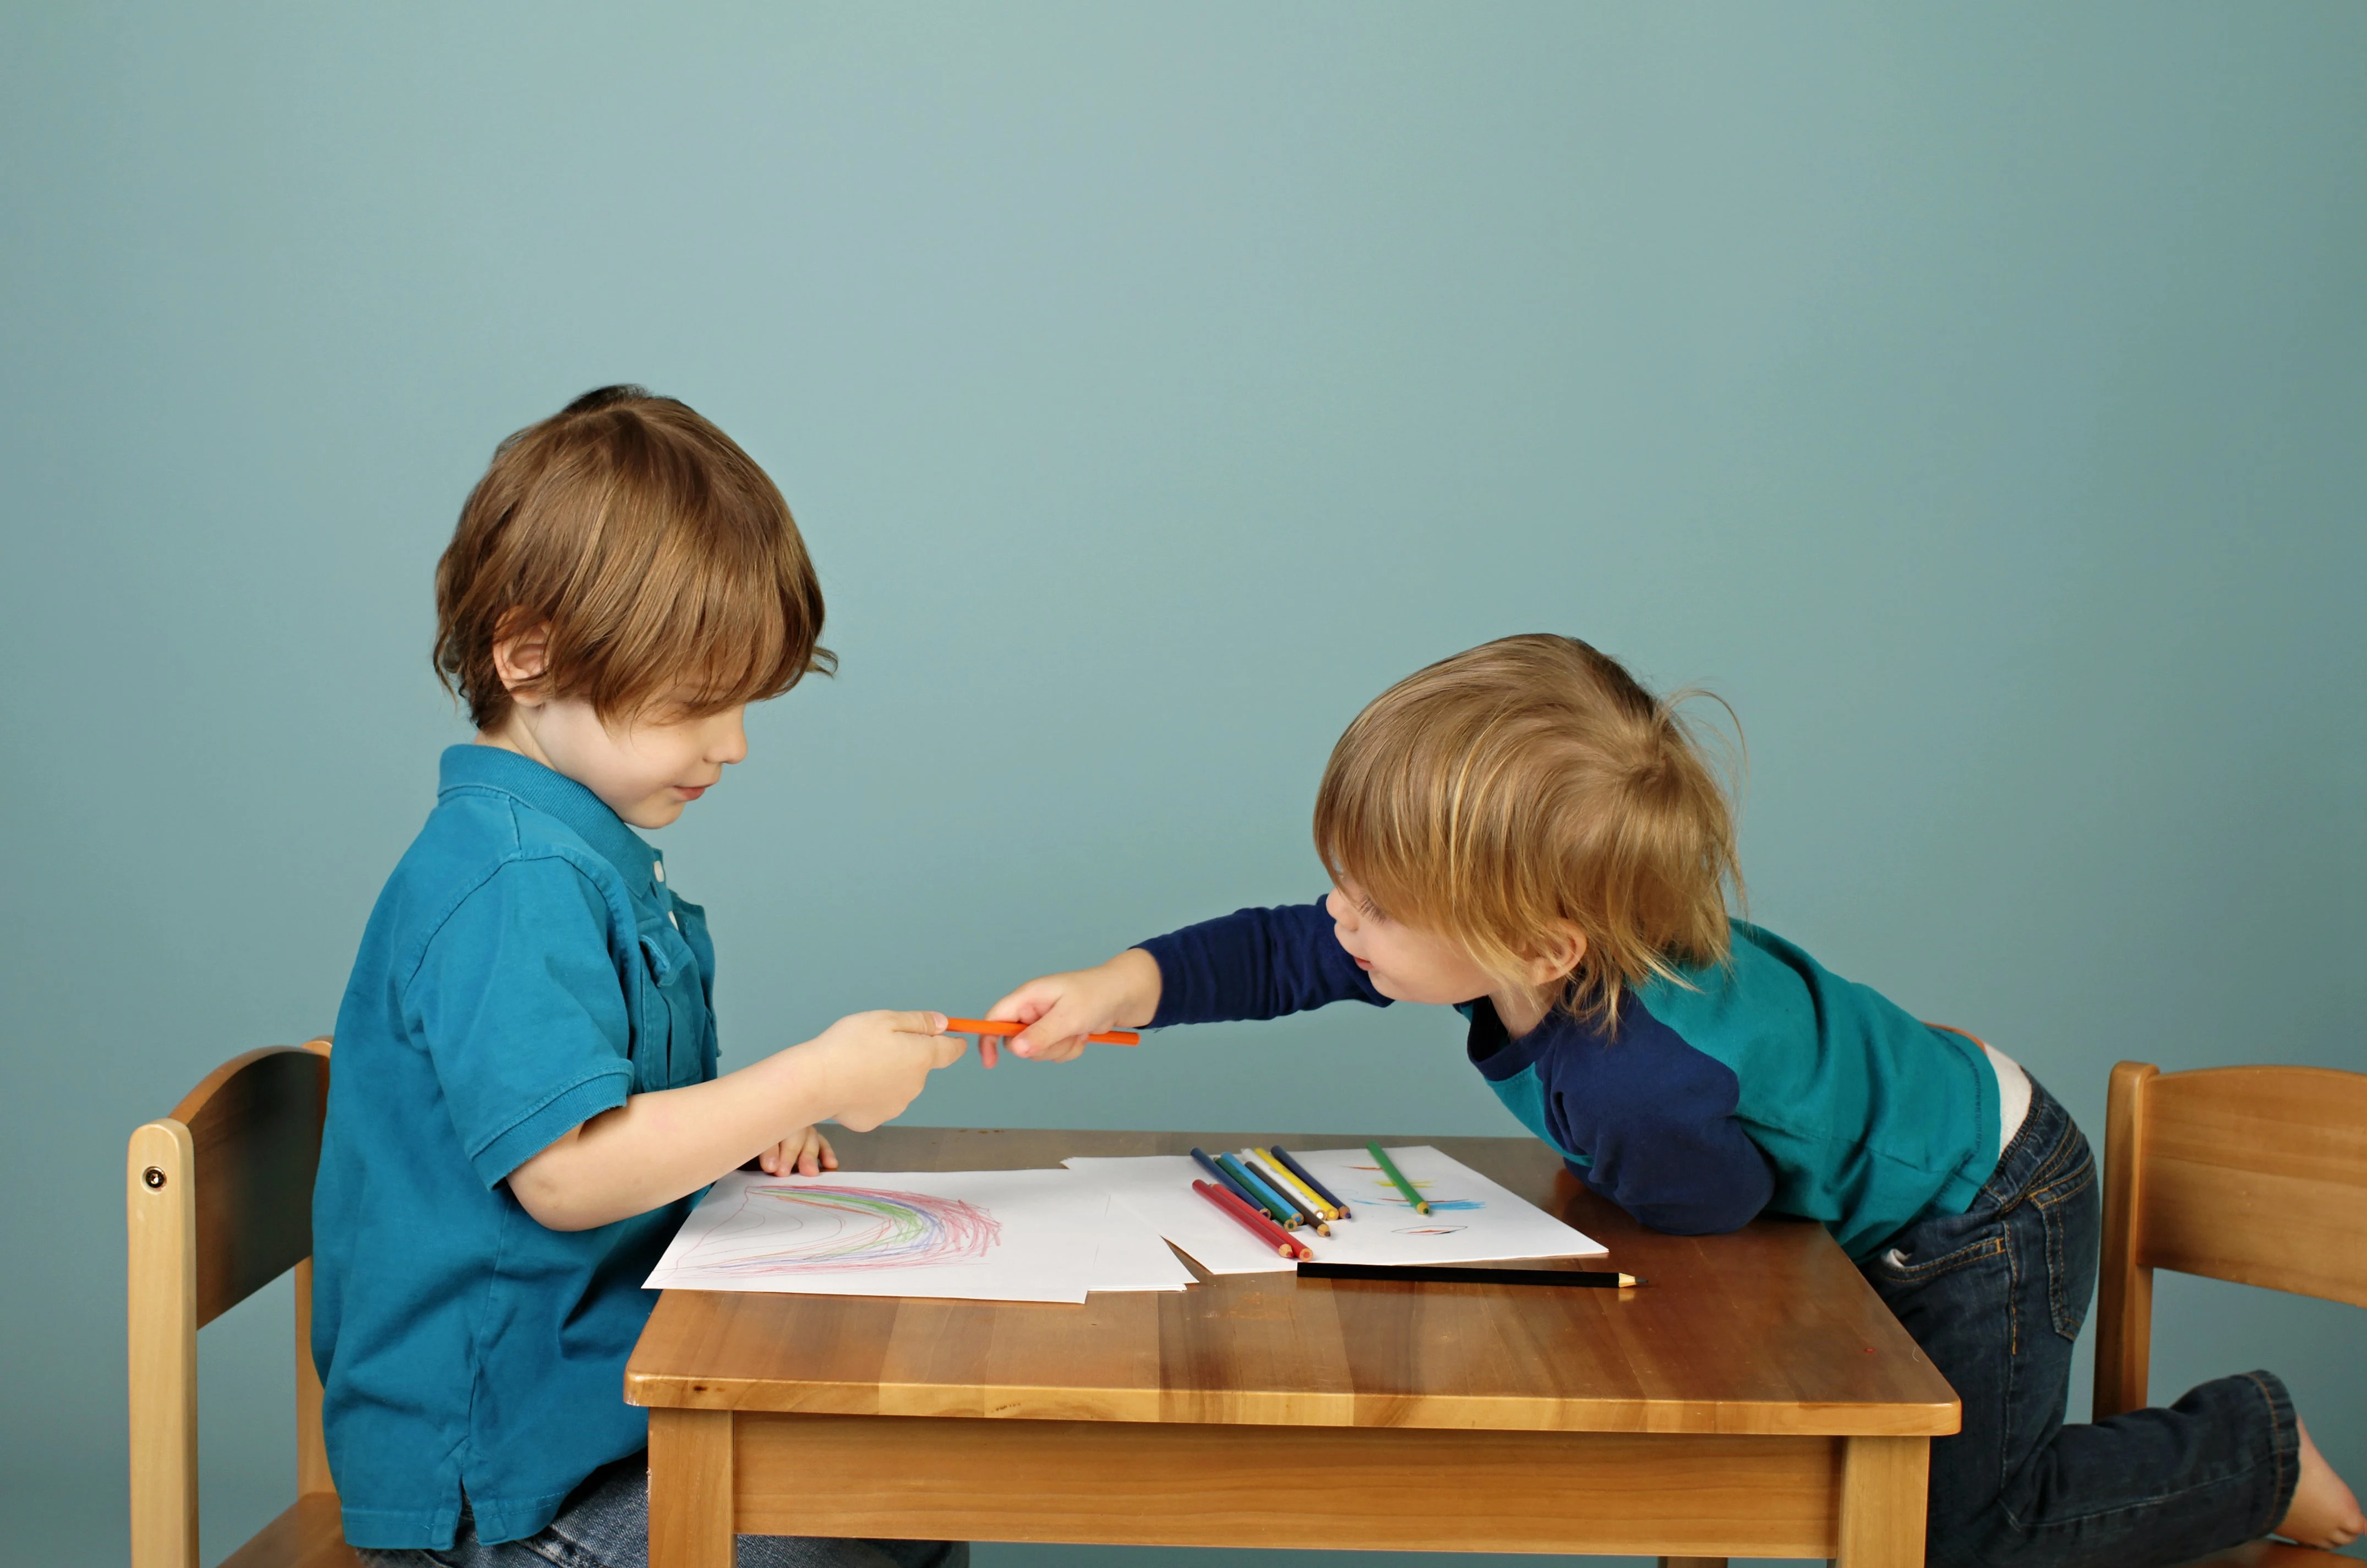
(1300, 1171)
(1285, 1213)
(1235, 1188)
(1306, 1216)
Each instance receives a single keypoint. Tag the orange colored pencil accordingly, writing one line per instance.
(1256, 1224)
(1005, 1027)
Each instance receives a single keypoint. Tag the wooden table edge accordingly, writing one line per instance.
(1858, 1500)
(668, 1390)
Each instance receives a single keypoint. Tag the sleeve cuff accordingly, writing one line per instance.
(1171, 980)
(544, 1125)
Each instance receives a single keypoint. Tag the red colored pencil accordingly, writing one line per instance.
(1005, 1026)
(1255, 1222)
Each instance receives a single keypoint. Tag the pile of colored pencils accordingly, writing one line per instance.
(1271, 1195)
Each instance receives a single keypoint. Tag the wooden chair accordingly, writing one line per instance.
(218, 1197)
(2257, 1175)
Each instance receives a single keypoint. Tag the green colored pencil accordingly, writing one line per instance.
(1389, 1170)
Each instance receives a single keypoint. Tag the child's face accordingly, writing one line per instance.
(1405, 963)
(646, 769)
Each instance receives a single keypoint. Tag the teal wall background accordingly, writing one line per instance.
(1974, 397)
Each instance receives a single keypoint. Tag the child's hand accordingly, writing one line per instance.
(1061, 1009)
(876, 1063)
(803, 1153)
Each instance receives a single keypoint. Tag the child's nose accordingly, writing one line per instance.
(730, 741)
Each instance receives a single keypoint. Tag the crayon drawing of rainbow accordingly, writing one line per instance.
(812, 1230)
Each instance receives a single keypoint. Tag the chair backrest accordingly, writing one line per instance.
(2256, 1175)
(218, 1201)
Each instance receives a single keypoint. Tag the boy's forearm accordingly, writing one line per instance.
(659, 1145)
(1254, 964)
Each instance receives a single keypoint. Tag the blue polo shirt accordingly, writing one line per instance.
(527, 968)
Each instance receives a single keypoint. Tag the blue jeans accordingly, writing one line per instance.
(1995, 1296)
(605, 1523)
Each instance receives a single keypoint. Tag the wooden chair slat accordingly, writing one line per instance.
(2258, 1176)
(218, 1203)
(2254, 1175)
(310, 1534)
(162, 1342)
(311, 1452)
(256, 1124)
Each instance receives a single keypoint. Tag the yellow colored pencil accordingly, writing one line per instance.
(1314, 1200)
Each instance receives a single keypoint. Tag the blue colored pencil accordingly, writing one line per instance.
(1285, 1214)
(1217, 1172)
(1306, 1216)
(1300, 1171)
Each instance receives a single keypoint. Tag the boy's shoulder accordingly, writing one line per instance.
(499, 813)
(493, 807)
(1771, 1010)
(475, 830)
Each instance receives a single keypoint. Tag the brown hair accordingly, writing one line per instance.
(664, 561)
(1528, 782)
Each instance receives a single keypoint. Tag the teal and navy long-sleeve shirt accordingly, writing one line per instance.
(1766, 1082)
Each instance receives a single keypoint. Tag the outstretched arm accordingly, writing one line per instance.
(1250, 964)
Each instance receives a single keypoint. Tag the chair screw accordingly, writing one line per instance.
(152, 1177)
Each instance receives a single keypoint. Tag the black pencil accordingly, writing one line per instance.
(1282, 1190)
(1457, 1274)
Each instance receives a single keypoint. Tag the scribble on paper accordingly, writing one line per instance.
(1387, 1196)
(804, 1229)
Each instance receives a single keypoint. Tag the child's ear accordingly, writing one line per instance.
(520, 656)
(1557, 956)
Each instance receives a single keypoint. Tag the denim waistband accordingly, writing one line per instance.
(2048, 1146)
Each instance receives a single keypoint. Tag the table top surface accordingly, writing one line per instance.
(1768, 1330)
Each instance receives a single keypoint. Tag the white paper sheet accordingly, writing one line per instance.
(1055, 1236)
(1472, 1219)
(1012, 1236)
(1133, 1256)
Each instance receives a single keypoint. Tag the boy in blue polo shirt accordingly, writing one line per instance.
(525, 1101)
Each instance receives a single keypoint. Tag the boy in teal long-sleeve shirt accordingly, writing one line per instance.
(1524, 833)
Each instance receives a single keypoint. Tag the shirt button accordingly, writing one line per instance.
(657, 870)
(677, 924)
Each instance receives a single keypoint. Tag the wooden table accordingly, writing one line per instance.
(1755, 1400)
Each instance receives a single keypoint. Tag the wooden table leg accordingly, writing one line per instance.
(690, 1489)
(1886, 1485)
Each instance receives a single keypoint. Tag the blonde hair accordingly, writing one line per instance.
(664, 561)
(1531, 784)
